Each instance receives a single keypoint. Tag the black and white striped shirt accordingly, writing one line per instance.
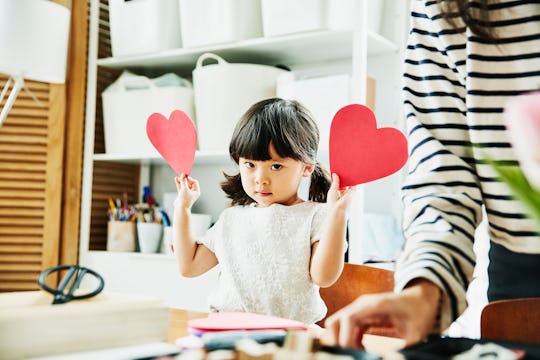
(456, 86)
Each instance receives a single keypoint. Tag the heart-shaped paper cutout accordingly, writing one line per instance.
(174, 138)
(359, 152)
(224, 320)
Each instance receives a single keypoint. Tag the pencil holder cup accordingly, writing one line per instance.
(121, 236)
(149, 235)
(167, 241)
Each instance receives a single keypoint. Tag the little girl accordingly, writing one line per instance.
(274, 249)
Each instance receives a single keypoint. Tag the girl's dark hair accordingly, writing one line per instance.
(475, 15)
(292, 131)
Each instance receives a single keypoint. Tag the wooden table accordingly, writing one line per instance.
(378, 345)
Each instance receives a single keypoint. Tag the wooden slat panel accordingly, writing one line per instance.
(12, 184)
(19, 285)
(29, 142)
(21, 148)
(26, 212)
(18, 249)
(27, 240)
(15, 203)
(18, 221)
(104, 30)
(19, 277)
(20, 230)
(20, 267)
(15, 258)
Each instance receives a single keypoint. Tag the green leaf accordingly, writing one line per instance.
(523, 191)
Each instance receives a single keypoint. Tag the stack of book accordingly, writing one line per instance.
(30, 326)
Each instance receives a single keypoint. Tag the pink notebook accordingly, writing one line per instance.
(222, 321)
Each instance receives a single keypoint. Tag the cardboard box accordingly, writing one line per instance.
(31, 326)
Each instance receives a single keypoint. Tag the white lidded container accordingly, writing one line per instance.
(282, 17)
(223, 92)
(208, 22)
(323, 96)
(144, 26)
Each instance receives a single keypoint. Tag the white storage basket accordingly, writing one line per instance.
(223, 92)
(207, 22)
(144, 26)
(126, 110)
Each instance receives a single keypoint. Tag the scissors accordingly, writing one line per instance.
(63, 295)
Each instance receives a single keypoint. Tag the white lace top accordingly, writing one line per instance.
(264, 255)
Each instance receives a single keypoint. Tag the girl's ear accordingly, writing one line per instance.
(308, 170)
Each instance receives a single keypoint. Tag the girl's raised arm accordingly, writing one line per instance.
(193, 259)
(327, 253)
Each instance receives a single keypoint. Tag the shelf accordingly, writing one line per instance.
(288, 50)
(201, 158)
(130, 255)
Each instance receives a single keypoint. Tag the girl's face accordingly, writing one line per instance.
(273, 181)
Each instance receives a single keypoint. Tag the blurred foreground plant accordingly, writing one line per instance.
(522, 119)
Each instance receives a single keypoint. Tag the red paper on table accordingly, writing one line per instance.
(359, 151)
(174, 138)
(222, 321)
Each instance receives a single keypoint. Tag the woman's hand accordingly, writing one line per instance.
(338, 197)
(188, 191)
(411, 313)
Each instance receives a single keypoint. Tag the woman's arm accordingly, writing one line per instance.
(327, 253)
(193, 259)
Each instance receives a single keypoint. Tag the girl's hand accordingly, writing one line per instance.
(339, 197)
(188, 191)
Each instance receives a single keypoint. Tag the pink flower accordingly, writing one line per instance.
(522, 117)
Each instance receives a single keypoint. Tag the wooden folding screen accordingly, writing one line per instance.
(31, 151)
(41, 155)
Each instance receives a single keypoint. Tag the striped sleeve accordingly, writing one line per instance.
(453, 101)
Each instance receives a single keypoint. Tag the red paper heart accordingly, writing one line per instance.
(174, 138)
(223, 320)
(359, 152)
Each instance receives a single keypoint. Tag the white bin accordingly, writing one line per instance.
(207, 22)
(223, 92)
(282, 17)
(323, 96)
(144, 26)
(128, 102)
(341, 14)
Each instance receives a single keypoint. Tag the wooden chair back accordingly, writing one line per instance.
(355, 280)
(516, 320)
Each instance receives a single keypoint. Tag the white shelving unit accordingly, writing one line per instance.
(363, 52)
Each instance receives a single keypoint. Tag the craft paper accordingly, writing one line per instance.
(222, 321)
(174, 138)
(359, 151)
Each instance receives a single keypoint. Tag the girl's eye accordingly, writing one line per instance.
(249, 164)
(276, 166)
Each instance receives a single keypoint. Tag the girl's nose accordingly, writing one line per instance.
(261, 177)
